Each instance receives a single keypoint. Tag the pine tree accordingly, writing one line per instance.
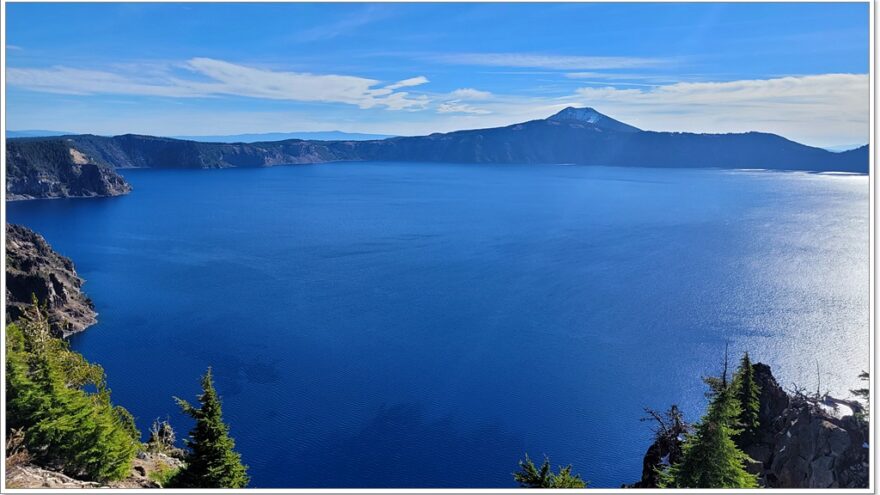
(864, 394)
(747, 394)
(530, 476)
(65, 426)
(710, 458)
(212, 461)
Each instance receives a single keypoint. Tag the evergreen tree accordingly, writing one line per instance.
(864, 394)
(212, 461)
(710, 458)
(747, 394)
(63, 425)
(530, 476)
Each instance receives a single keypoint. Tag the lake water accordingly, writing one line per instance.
(424, 325)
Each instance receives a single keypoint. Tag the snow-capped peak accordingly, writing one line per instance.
(589, 115)
(586, 114)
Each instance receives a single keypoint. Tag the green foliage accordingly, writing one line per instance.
(710, 458)
(530, 476)
(747, 394)
(63, 424)
(863, 394)
(212, 461)
(164, 475)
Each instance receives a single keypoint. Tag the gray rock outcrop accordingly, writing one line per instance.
(33, 268)
(802, 441)
(143, 469)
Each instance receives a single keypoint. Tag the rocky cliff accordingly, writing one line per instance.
(55, 168)
(33, 268)
(803, 442)
(808, 442)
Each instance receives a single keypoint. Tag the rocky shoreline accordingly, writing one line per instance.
(33, 268)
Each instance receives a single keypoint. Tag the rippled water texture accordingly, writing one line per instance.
(410, 325)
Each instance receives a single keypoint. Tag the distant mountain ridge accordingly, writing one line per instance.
(843, 147)
(283, 136)
(574, 136)
(233, 138)
(35, 133)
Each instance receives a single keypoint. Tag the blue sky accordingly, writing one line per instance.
(799, 70)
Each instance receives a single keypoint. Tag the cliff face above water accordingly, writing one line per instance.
(808, 442)
(802, 442)
(34, 268)
(55, 168)
(81, 165)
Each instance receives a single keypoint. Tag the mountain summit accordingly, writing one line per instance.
(589, 115)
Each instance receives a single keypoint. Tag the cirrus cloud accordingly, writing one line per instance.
(456, 106)
(413, 81)
(818, 109)
(549, 61)
(470, 94)
(218, 77)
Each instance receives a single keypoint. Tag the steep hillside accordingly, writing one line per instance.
(56, 168)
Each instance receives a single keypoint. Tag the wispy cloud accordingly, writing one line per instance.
(839, 93)
(820, 110)
(817, 109)
(456, 106)
(547, 61)
(217, 77)
(72, 81)
(625, 78)
(606, 75)
(346, 25)
(470, 94)
(461, 101)
(413, 81)
(13, 47)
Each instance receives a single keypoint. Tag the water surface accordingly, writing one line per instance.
(423, 325)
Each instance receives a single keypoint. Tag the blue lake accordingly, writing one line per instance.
(424, 325)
